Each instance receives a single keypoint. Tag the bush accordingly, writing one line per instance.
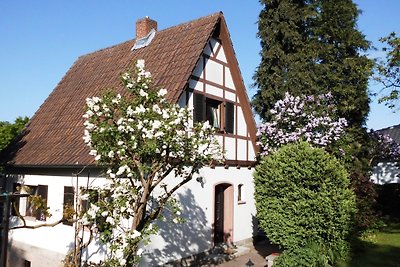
(312, 254)
(366, 216)
(303, 197)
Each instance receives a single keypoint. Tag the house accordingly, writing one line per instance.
(387, 171)
(196, 63)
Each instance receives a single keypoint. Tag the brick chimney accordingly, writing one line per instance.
(144, 26)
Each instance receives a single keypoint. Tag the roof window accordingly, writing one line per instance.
(145, 41)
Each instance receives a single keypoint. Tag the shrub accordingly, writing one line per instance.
(310, 255)
(366, 216)
(302, 197)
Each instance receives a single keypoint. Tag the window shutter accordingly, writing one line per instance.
(229, 117)
(199, 108)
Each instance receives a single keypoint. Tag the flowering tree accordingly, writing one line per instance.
(140, 139)
(308, 118)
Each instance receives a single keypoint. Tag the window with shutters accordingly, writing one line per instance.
(36, 205)
(219, 114)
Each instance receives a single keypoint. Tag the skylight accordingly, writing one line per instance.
(145, 41)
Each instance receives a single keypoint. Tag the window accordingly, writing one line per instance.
(68, 204)
(15, 203)
(145, 41)
(27, 263)
(213, 112)
(219, 114)
(36, 205)
(240, 194)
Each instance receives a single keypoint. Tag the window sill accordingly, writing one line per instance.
(241, 202)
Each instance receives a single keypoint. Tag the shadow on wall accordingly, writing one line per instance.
(183, 239)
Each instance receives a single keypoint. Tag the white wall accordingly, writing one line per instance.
(175, 240)
(385, 173)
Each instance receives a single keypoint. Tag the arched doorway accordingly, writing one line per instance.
(223, 213)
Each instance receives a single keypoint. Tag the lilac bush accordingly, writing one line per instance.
(308, 118)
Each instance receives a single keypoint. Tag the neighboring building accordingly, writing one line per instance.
(196, 63)
(387, 171)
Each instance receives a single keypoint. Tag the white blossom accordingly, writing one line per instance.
(162, 92)
(143, 93)
(139, 251)
(140, 64)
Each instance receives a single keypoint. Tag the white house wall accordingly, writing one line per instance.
(195, 235)
(175, 240)
(385, 173)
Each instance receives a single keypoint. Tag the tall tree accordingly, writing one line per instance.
(287, 53)
(389, 71)
(313, 47)
(9, 131)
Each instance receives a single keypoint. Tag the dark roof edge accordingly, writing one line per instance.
(33, 168)
(389, 128)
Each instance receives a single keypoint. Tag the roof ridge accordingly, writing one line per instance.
(166, 29)
(389, 127)
(194, 20)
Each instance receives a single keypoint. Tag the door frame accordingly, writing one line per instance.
(228, 212)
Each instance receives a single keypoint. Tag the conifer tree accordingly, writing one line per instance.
(311, 47)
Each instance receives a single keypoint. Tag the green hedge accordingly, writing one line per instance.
(303, 197)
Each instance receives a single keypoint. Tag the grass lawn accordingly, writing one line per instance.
(378, 249)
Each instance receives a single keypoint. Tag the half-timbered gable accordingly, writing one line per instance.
(214, 96)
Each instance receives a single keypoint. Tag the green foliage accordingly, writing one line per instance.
(389, 71)
(302, 196)
(311, 48)
(8, 131)
(311, 255)
(366, 216)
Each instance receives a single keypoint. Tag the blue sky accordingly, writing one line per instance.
(40, 40)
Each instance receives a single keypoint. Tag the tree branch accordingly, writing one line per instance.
(38, 225)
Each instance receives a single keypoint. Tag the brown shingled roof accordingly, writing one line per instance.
(53, 137)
